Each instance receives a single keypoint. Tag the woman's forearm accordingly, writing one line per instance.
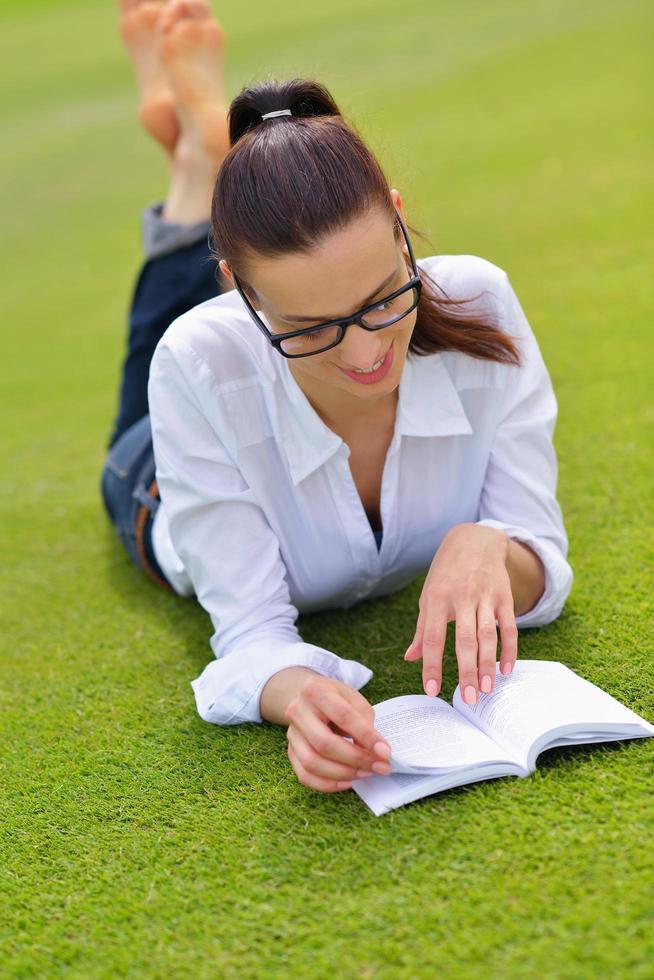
(527, 576)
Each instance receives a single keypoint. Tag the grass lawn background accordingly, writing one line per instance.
(137, 840)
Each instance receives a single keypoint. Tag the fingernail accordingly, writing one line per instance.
(507, 667)
(362, 773)
(470, 695)
(431, 687)
(381, 748)
(381, 767)
(486, 683)
(343, 785)
(407, 653)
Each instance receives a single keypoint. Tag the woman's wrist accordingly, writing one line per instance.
(279, 690)
(501, 537)
(527, 575)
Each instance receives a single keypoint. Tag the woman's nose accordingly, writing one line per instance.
(361, 348)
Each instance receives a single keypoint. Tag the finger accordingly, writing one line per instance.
(381, 747)
(433, 644)
(335, 728)
(466, 651)
(487, 644)
(508, 636)
(414, 649)
(317, 764)
(351, 714)
(327, 743)
(315, 782)
(375, 761)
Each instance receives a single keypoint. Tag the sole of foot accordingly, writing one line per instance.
(139, 23)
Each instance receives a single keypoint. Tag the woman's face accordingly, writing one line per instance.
(348, 270)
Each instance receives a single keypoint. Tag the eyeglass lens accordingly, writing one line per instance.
(383, 315)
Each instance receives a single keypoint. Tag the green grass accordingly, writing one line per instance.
(137, 840)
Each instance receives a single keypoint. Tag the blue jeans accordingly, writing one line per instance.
(167, 286)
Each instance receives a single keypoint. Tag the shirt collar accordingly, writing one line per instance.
(428, 405)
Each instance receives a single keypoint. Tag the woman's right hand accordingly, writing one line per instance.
(321, 718)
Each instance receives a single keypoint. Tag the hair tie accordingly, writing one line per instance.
(277, 112)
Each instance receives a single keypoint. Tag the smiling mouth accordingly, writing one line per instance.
(374, 374)
(376, 366)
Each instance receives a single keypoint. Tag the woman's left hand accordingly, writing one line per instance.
(468, 583)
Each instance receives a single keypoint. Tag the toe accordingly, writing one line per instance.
(199, 9)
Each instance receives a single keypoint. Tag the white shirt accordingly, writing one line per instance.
(260, 515)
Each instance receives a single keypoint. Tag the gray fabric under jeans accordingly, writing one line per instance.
(161, 237)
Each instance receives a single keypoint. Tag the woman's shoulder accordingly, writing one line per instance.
(219, 337)
(488, 288)
(463, 276)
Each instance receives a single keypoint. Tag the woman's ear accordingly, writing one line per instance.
(226, 271)
(397, 201)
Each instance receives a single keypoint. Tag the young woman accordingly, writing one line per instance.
(341, 420)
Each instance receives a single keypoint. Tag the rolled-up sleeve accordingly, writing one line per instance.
(227, 546)
(519, 491)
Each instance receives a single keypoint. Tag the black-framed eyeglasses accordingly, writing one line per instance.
(321, 337)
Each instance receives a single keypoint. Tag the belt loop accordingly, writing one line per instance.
(141, 494)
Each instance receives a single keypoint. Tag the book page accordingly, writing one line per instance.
(540, 696)
(384, 793)
(428, 734)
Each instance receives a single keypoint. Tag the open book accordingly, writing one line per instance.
(435, 746)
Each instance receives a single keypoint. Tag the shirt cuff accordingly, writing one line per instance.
(161, 237)
(558, 575)
(228, 690)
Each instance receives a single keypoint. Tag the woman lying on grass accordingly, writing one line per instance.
(331, 420)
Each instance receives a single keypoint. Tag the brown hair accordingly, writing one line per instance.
(289, 181)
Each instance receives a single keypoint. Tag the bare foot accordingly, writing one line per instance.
(191, 50)
(138, 28)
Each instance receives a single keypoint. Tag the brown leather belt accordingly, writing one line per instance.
(141, 519)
